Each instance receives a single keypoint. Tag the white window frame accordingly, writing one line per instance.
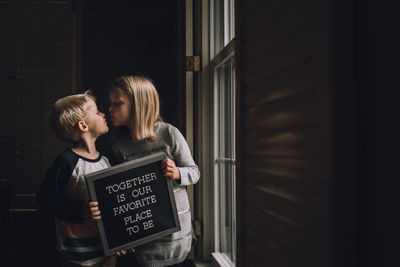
(218, 57)
(218, 255)
(204, 114)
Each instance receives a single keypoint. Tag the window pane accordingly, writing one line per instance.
(222, 28)
(225, 158)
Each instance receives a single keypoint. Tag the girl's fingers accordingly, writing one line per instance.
(171, 164)
(168, 169)
(121, 253)
(168, 163)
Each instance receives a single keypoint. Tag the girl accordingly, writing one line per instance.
(134, 106)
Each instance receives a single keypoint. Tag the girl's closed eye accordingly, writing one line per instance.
(117, 104)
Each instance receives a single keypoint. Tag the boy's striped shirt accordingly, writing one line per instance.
(63, 193)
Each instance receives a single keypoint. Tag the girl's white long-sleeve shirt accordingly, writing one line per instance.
(172, 249)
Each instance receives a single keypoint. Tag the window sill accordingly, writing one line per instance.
(204, 264)
(221, 260)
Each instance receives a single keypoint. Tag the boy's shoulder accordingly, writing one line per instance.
(68, 155)
(67, 158)
(71, 157)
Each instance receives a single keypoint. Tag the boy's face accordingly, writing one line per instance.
(120, 108)
(95, 119)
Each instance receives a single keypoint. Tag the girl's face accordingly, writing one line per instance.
(120, 107)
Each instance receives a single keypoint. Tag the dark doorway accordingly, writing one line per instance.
(136, 37)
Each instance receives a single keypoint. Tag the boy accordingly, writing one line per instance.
(64, 194)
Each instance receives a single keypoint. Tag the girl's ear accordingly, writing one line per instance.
(82, 126)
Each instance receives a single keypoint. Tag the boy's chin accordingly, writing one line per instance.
(105, 131)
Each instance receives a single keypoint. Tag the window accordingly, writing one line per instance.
(222, 23)
(224, 162)
(223, 135)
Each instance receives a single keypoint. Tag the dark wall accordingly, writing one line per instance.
(285, 162)
(356, 75)
(376, 51)
(134, 37)
(37, 67)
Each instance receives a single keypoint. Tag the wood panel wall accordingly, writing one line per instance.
(285, 170)
(38, 65)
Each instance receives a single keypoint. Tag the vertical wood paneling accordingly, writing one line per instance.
(37, 69)
(285, 55)
(285, 82)
(263, 13)
(280, 85)
(7, 94)
(296, 16)
(247, 6)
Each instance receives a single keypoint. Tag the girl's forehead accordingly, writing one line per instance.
(117, 93)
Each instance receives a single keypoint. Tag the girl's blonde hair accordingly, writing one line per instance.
(66, 114)
(145, 105)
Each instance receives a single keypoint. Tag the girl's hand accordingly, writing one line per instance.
(91, 211)
(170, 170)
(123, 252)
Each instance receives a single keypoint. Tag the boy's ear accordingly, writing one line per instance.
(82, 126)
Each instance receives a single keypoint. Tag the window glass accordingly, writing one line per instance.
(222, 24)
(224, 183)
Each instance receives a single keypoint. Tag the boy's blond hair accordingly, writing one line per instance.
(66, 114)
(145, 105)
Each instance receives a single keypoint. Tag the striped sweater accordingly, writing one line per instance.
(63, 194)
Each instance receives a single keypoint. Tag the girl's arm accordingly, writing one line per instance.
(188, 170)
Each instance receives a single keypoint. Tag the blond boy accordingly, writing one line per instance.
(64, 194)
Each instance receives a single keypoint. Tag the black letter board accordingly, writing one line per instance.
(136, 202)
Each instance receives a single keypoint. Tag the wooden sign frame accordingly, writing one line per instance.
(111, 181)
